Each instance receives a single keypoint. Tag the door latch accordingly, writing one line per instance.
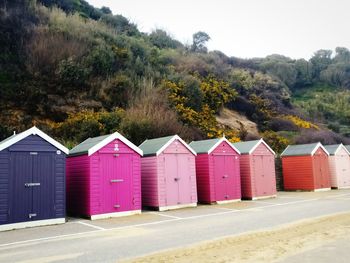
(32, 215)
(117, 180)
(31, 184)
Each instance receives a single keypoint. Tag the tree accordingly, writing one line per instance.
(320, 61)
(106, 10)
(200, 40)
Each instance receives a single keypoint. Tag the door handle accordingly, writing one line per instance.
(177, 178)
(31, 184)
(225, 176)
(32, 215)
(116, 206)
(117, 180)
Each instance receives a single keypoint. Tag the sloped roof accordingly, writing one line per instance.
(302, 149)
(156, 146)
(32, 131)
(334, 148)
(92, 145)
(347, 147)
(249, 146)
(207, 146)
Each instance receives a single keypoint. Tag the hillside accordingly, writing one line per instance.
(76, 71)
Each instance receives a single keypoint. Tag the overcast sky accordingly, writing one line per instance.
(245, 28)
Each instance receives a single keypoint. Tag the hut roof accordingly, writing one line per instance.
(32, 131)
(207, 146)
(156, 146)
(302, 149)
(249, 146)
(334, 148)
(91, 145)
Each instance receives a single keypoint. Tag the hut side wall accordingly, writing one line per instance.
(149, 181)
(297, 173)
(246, 176)
(4, 185)
(321, 170)
(205, 179)
(333, 170)
(78, 185)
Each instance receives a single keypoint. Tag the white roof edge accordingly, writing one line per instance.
(110, 138)
(176, 137)
(223, 139)
(34, 131)
(318, 145)
(341, 145)
(261, 141)
(284, 150)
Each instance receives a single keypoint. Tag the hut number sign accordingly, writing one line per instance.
(116, 148)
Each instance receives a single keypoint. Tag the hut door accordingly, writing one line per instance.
(116, 174)
(34, 186)
(21, 204)
(184, 183)
(224, 176)
(232, 180)
(321, 173)
(177, 177)
(263, 165)
(43, 185)
(220, 177)
(345, 171)
(171, 179)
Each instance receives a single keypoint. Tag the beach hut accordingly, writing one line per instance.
(217, 171)
(32, 180)
(305, 167)
(257, 163)
(168, 174)
(339, 165)
(104, 178)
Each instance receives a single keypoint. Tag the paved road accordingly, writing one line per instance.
(113, 239)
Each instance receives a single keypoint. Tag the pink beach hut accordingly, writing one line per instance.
(257, 163)
(217, 171)
(339, 165)
(104, 178)
(168, 174)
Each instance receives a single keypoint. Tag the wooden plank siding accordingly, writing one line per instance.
(298, 173)
(149, 181)
(4, 185)
(78, 185)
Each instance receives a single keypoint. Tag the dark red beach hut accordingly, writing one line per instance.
(217, 171)
(306, 167)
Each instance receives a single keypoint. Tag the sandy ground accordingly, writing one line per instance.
(270, 245)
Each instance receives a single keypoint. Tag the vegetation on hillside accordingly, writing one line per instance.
(77, 71)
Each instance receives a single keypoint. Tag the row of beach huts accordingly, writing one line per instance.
(109, 176)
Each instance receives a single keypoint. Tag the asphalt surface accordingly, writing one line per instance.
(110, 240)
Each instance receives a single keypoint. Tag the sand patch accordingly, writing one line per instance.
(263, 246)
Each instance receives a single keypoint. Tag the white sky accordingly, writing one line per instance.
(245, 28)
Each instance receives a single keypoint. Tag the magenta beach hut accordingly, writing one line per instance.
(104, 178)
(339, 165)
(217, 171)
(168, 174)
